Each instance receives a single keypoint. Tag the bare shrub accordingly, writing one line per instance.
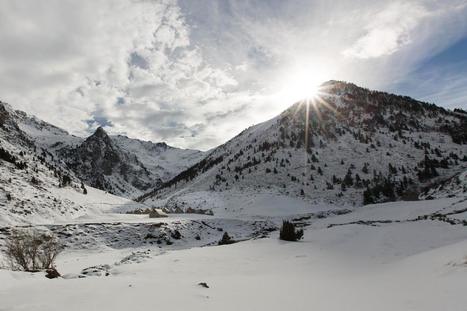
(29, 250)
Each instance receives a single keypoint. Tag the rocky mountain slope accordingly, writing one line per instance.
(456, 186)
(117, 164)
(349, 145)
(125, 166)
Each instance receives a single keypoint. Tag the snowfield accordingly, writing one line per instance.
(378, 257)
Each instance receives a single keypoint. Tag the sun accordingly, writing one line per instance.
(301, 89)
(311, 91)
(301, 84)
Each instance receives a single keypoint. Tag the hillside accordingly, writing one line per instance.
(350, 145)
(34, 190)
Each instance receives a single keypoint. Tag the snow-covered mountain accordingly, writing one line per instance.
(350, 145)
(101, 164)
(117, 164)
(125, 166)
(34, 189)
(42, 168)
(159, 158)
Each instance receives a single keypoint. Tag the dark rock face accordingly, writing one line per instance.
(103, 165)
(99, 151)
(6, 120)
(106, 156)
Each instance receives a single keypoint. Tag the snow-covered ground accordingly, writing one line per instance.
(378, 257)
(244, 204)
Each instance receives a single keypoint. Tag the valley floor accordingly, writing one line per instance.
(380, 257)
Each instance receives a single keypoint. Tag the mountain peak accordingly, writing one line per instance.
(329, 82)
(5, 108)
(100, 132)
(7, 118)
(100, 137)
(333, 86)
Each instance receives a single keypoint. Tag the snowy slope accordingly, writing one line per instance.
(159, 158)
(348, 142)
(34, 195)
(456, 186)
(44, 134)
(419, 266)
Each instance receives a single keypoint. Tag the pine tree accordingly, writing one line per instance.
(289, 233)
(358, 181)
(368, 197)
(348, 180)
(226, 239)
(365, 168)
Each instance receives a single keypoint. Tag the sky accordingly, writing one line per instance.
(196, 73)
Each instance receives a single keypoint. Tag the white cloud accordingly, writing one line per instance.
(389, 29)
(79, 60)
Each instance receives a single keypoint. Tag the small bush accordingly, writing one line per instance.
(289, 233)
(32, 251)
